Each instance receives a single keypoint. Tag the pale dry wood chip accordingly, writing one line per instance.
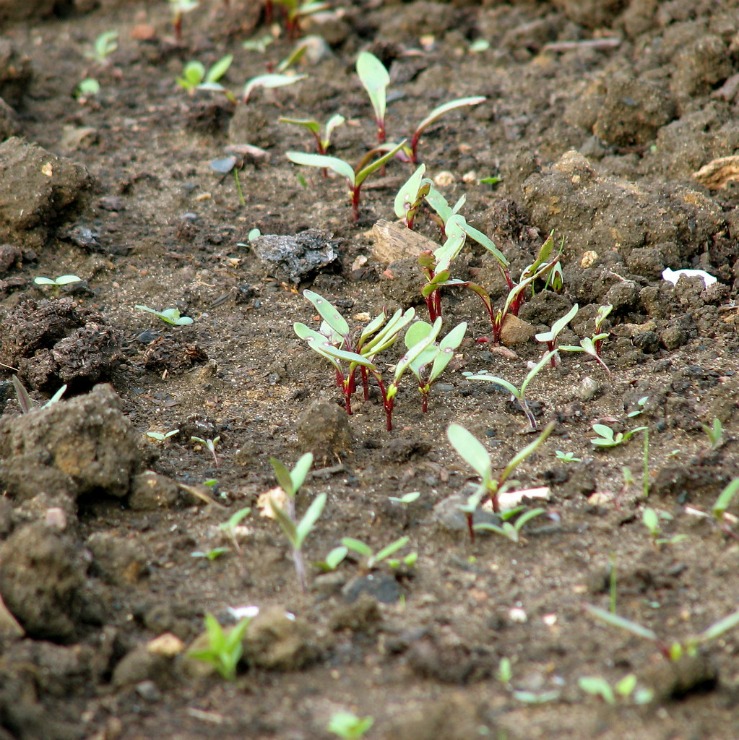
(394, 241)
(717, 174)
(274, 494)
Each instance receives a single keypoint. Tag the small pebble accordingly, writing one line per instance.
(588, 389)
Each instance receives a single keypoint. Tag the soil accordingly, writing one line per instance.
(597, 116)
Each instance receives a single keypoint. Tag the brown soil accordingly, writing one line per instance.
(597, 116)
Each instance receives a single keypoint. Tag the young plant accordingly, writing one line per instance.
(26, 403)
(171, 316)
(105, 44)
(608, 437)
(592, 345)
(715, 433)
(231, 526)
(58, 282)
(722, 502)
(550, 337)
(671, 651)
(405, 499)
(333, 560)
(355, 176)
(411, 195)
(322, 142)
(179, 8)
(518, 393)
(566, 457)
(195, 75)
(626, 688)
(472, 451)
(209, 444)
(511, 531)
(371, 558)
(348, 726)
(269, 82)
(640, 408)
(375, 79)
(296, 532)
(225, 647)
(432, 362)
(296, 10)
(210, 555)
(651, 520)
(162, 436)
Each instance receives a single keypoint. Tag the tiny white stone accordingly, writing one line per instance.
(673, 276)
(518, 615)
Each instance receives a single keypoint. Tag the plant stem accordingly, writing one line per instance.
(237, 180)
(355, 204)
(645, 474)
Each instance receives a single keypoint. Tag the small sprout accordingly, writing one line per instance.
(170, 316)
(194, 74)
(372, 559)
(518, 393)
(411, 195)
(295, 11)
(505, 671)
(26, 403)
(231, 525)
(269, 81)
(58, 282)
(640, 407)
(355, 176)
(333, 560)
(478, 46)
(625, 688)
(508, 530)
(608, 437)
(722, 502)
(348, 726)
(592, 345)
(105, 44)
(258, 44)
(210, 444)
(550, 337)
(211, 555)
(225, 646)
(405, 499)
(322, 142)
(375, 79)
(253, 234)
(715, 433)
(87, 88)
(162, 436)
(566, 457)
(492, 180)
(651, 520)
(179, 8)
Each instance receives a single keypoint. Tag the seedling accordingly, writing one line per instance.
(170, 316)
(179, 8)
(375, 78)
(651, 520)
(411, 195)
(675, 650)
(592, 345)
(715, 433)
(518, 393)
(511, 531)
(566, 457)
(269, 81)
(471, 450)
(58, 282)
(231, 526)
(195, 75)
(405, 499)
(626, 688)
(296, 531)
(722, 502)
(162, 436)
(258, 44)
(333, 560)
(355, 176)
(550, 337)
(322, 142)
(505, 671)
(372, 559)
(295, 11)
(432, 362)
(26, 403)
(232, 164)
(210, 555)
(105, 44)
(87, 88)
(608, 437)
(348, 726)
(225, 647)
(209, 444)
(640, 408)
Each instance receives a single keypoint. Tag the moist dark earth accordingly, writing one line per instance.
(613, 124)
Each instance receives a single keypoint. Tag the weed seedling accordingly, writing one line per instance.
(105, 44)
(348, 726)
(87, 88)
(511, 531)
(405, 499)
(651, 520)
(209, 444)
(432, 362)
(722, 502)
(566, 457)
(195, 75)
(225, 646)
(322, 142)
(333, 560)
(640, 408)
(179, 8)
(671, 651)
(518, 393)
(607, 437)
(472, 451)
(375, 79)
(592, 345)
(162, 436)
(231, 526)
(296, 532)
(57, 283)
(169, 316)
(26, 403)
(626, 688)
(372, 559)
(550, 337)
(715, 433)
(210, 555)
(355, 176)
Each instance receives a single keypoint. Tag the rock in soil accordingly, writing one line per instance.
(277, 641)
(78, 447)
(295, 258)
(323, 429)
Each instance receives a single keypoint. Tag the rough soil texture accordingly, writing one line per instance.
(597, 116)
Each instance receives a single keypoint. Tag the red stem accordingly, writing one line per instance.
(355, 204)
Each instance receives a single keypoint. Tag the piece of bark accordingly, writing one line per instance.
(394, 242)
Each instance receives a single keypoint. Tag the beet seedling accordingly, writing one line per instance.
(295, 11)
(169, 316)
(715, 433)
(511, 531)
(225, 646)
(566, 457)
(671, 651)
(608, 437)
(231, 527)
(472, 451)
(411, 196)
(195, 75)
(355, 176)
(269, 82)
(179, 8)
(432, 362)
(518, 393)
(209, 444)
(322, 142)
(592, 345)
(372, 558)
(375, 79)
(162, 436)
(550, 337)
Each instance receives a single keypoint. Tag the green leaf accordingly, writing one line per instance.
(725, 498)
(521, 455)
(67, 279)
(470, 450)
(486, 242)
(339, 166)
(219, 68)
(375, 165)
(719, 628)
(498, 381)
(312, 125)
(336, 557)
(330, 351)
(284, 479)
(621, 623)
(372, 327)
(447, 253)
(625, 687)
(286, 523)
(651, 521)
(331, 125)
(328, 312)
(375, 78)
(417, 331)
(306, 524)
(389, 333)
(361, 548)
(414, 352)
(445, 108)
(270, 81)
(557, 326)
(302, 466)
(193, 74)
(597, 686)
(386, 552)
(408, 192)
(527, 516)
